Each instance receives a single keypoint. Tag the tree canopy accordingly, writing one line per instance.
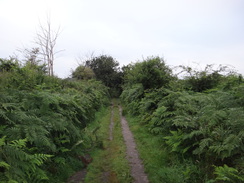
(107, 70)
(83, 73)
(151, 73)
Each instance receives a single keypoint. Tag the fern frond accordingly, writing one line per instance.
(4, 165)
(229, 174)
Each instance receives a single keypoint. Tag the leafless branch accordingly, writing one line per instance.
(46, 39)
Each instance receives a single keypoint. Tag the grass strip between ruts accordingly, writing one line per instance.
(109, 162)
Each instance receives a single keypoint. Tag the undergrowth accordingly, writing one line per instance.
(160, 164)
(42, 124)
(193, 125)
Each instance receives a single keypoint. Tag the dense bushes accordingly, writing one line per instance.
(42, 122)
(198, 118)
(105, 69)
(205, 128)
(151, 73)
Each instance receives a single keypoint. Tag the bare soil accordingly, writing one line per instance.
(137, 167)
(78, 177)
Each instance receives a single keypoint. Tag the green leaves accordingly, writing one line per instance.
(175, 141)
(105, 69)
(83, 73)
(4, 165)
(151, 73)
(40, 129)
(18, 164)
(227, 174)
(18, 143)
(206, 127)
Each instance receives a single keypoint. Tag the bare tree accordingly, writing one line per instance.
(46, 40)
(82, 60)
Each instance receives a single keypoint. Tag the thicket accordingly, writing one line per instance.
(43, 122)
(199, 118)
(103, 68)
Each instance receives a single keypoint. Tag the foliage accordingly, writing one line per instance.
(200, 121)
(32, 60)
(160, 164)
(18, 164)
(151, 73)
(206, 79)
(83, 72)
(209, 126)
(106, 70)
(7, 65)
(42, 124)
(132, 96)
(227, 174)
(206, 127)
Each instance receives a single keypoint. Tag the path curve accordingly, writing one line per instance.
(132, 155)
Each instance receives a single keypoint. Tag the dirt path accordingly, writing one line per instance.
(79, 177)
(137, 168)
(136, 165)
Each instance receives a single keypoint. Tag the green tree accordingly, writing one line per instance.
(107, 70)
(83, 73)
(152, 73)
(13, 74)
(209, 78)
(7, 65)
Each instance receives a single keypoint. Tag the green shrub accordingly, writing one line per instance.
(203, 124)
(42, 122)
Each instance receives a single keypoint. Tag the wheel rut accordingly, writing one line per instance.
(132, 155)
(136, 165)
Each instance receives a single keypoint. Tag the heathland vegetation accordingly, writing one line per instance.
(188, 128)
(43, 122)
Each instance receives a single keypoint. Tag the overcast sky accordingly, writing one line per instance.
(181, 31)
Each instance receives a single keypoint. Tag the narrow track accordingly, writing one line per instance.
(132, 155)
(107, 175)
